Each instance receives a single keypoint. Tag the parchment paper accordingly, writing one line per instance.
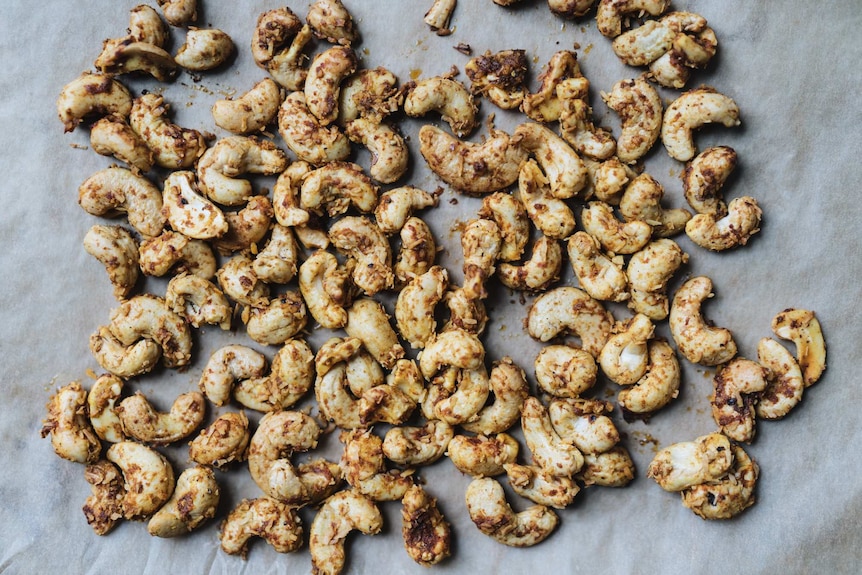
(793, 68)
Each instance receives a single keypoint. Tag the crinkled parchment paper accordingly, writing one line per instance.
(793, 68)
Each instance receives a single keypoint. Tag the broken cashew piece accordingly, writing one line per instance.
(576, 121)
(735, 229)
(222, 442)
(370, 93)
(118, 190)
(179, 12)
(690, 111)
(117, 250)
(612, 468)
(545, 105)
(276, 263)
(89, 95)
(489, 510)
(193, 502)
(511, 217)
(480, 244)
(640, 109)
(658, 386)
(566, 310)
(697, 340)
(340, 514)
(276, 523)
(481, 455)
(610, 13)
(501, 77)
(251, 112)
(449, 97)
(802, 328)
(72, 435)
(148, 478)
(427, 535)
(104, 507)
(689, 463)
(143, 423)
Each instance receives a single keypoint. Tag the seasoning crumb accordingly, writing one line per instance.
(464, 48)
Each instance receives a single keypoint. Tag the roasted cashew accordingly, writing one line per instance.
(697, 340)
(330, 21)
(691, 463)
(607, 180)
(649, 271)
(276, 262)
(735, 229)
(427, 535)
(576, 122)
(704, 177)
(291, 375)
(386, 404)
(148, 478)
(645, 44)
(72, 435)
(240, 282)
(278, 320)
(584, 423)
(179, 12)
(481, 455)
(193, 502)
(199, 301)
(337, 517)
(802, 328)
(599, 221)
(222, 442)
(784, 377)
(694, 44)
(550, 214)
(489, 510)
(276, 523)
(277, 43)
(612, 468)
(468, 167)
(232, 156)
(204, 49)
(509, 385)
(609, 16)
(564, 371)
(418, 445)
(173, 147)
(599, 275)
(306, 137)
(437, 17)
(252, 111)
(188, 211)
(641, 201)
(334, 186)
(449, 97)
(145, 25)
(322, 306)
(414, 308)
(397, 205)
(246, 227)
(226, 366)
(172, 252)
(147, 317)
(640, 110)
(544, 105)
(690, 111)
(418, 250)
(728, 496)
(123, 360)
(549, 451)
(113, 136)
(459, 394)
(536, 273)
(364, 468)
(500, 77)
(464, 313)
(389, 151)
(328, 69)
(570, 310)
(734, 397)
(539, 486)
(117, 250)
(368, 321)
(360, 239)
(126, 55)
(511, 218)
(564, 169)
(624, 358)
(658, 386)
(92, 94)
(143, 423)
(370, 93)
(285, 195)
(117, 189)
(104, 507)
(480, 244)
(452, 348)
(101, 401)
(566, 8)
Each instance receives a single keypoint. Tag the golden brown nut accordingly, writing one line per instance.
(501, 77)
(72, 436)
(104, 507)
(276, 523)
(427, 535)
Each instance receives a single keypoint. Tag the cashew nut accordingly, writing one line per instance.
(126, 55)
(278, 320)
(290, 377)
(509, 385)
(641, 201)
(276, 263)
(697, 340)
(658, 386)
(397, 205)
(306, 137)
(511, 218)
(222, 442)
(104, 418)
(414, 308)
(240, 282)
(104, 507)
(328, 69)
(117, 189)
(418, 250)
(123, 360)
(360, 239)
(364, 468)
(539, 486)
(193, 502)
(735, 229)
(564, 371)
(549, 451)
(246, 228)
(564, 8)
(117, 250)
(145, 25)
(335, 186)
(285, 195)
(338, 516)
(389, 152)
(188, 211)
(489, 510)
(459, 394)
(204, 49)
(564, 169)
(92, 94)
(277, 43)
(802, 328)
(704, 177)
(733, 398)
(418, 445)
(147, 317)
(72, 435)
(438, 16)
(330, 20)
(199, 301)
(624, 357)
(544, 105)
(784, 377)
(640, 110)
(173, 147)
(609, 15)
(226, 366)
(172, 252)
(179, 12)
(643, 45)
(690, 111)
(464, 313)
(570, 310)
(231, 157)
(599, 221)
(113, 136)
(691, 463)
(252, 111)
(143, 423)
(612, 468)
(550, 214)
(500, 77)
(480, 243)
(274, 522)
(536, 273)
(649, 271)
(728, 496)
(693, 45)
(148, 478)
(576, 123)
(369, 93)
(599, 275)
(427, 535)
(481, 455)
(584, 423)
(368, 321)
(323, 307)
(449, 97)
(336, 403)
(453, 348)
(607, 180)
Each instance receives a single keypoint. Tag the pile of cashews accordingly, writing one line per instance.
(320, 251)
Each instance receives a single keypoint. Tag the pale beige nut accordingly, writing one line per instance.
(417, 252)
(427, 535)
(538, 272)
(116, 249)
(469, 167)
(598, 274)
(72, 435)
(148, 478)
(113, 136)
(642, 201)
(370, 93)
(336, 186)
(607, 180)
(277, 43)
(276, 321)
(334, 399)
(397, 205)
(118, 190)
(564, 8)
(193, 503)
(123, 360)
(512, 220)
(331, 21)
(368, 321)
(802, 328)
(145, 25)
(204, 49)
(624, 359)
(728, 496)
(104, 506)
(645, 44)
(564, 371)
(101, 407)
(693, 46)
(649, 270)
(690, 111)
(416, 304)
(437, 17)
(544, 105)
(510, 388)
(698, 341)
(225, 367)
(360, 239)
(277, 262)
(734, 397)
(599, 220)
(481, 242)
(246, 228)
(251, 112)
(306, 137)
(548, 449)
(291, 375)
(689, 463)
(459, 394)
(640, 110)
(363, 465)
(327, 71)
(659, 386)
(501, 77)
(566, 310)
(126, 55)
(340, 514)
(704, 177)
(240, 283)
(612, 468)
(222, 442)
(325, 309)
(199, 301)
(539, 486)
(233, 156)
(188, 211)
(576, 121)
(563, 168)
(489, 510)
(735, 229)
(610, 13)
(173, 147)
(386, 403)
(285, 195)
(92, 95)
(548, 213)
(389, 151)
(143, 423)
(147, 317)
(448, 97)
(276, 523)
(585, 423)
(452, 348)
(784, 377)
(179, 12)
(416, 446)
(174, 253)
(481, 455)
(464, 313)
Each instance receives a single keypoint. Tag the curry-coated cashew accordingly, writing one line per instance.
(564, 371)
(233, 156)
(640, 109)
(460, 397)
(510, 388)
(584, 423)
(250, 112)
(728, 496)
(418, 250)
(548, 449)
(177, 254)
(576, 121)
(240, 282)
(611, 468)
(120, 359)
(512, 220)
(449, 97)
(690, 111)
(658, 386)
(395, 206)
(704, 177)
(734, 397)
(306, 137)
(246, 227)
(563, 8)
(649, 271)
(489, 510)
(437, 17)
(104, 507)
(564, 169)
(414, 308)
(335, 186)
(126, 55)
(101, 406)
(389, 151)
(693, 45)
(188, 211)
(118, 190)
(464, 313)
(193, 502)
(784, 376)
(204, 49)
(481, 242)
(607, 180)
(370, 93)
(335, 401)
(148, 478)
(482, 455)
(147, 317)
(599, 275)
(534, 483)
(735, 229)
(276, 523)
(360, 239)
(276, 263)
(117, 250)
(599, 221)
(544, 105)
(277, 43)
(469, 167)
(226, 366)
(92, 95)
(550, 214)
(325, 74)
(501, 77)
(802, 328)
(368, 321)
(624, 358)
(72, 435)
(641, 201)
(286, 195)
(453, 348)
(199, 301)
(291, 375)
(364, 468)
(566, 310)
(179, 12)
(697, 340)
(325, 309)
(418, 445)
(330, 21)
(645, 44)
(536, 273)
(610, 13)
(222, 442)
(143, 423)
(145, 25)
(427, 535)
(690, 463)
(340, 514)
(276, 321)
(173, 147)
(113, 136)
